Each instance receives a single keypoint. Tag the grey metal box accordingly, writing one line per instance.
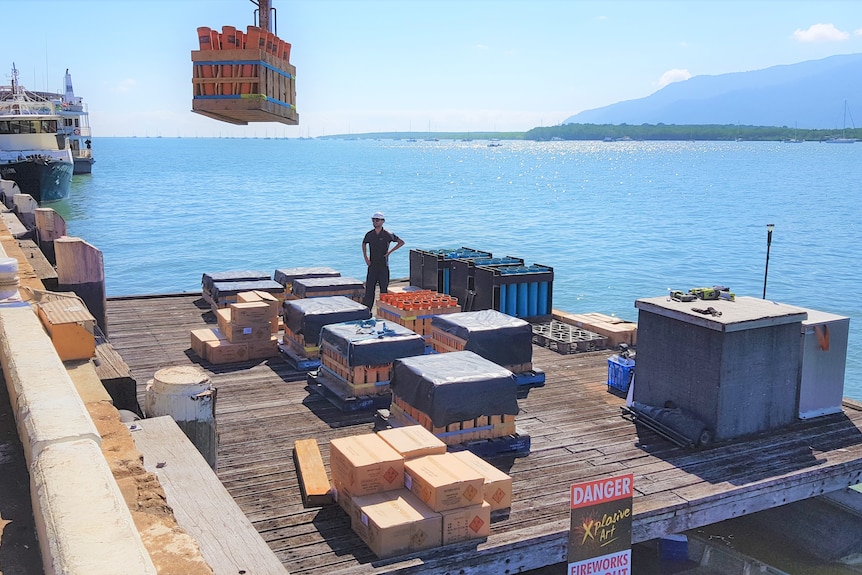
(737, 372)
(822, 364)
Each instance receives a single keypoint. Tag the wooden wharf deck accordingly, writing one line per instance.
(577, 434)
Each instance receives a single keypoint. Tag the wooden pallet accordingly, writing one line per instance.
(513, 445)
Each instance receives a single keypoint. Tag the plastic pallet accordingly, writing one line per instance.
(517, 445)
(296, 362)
(529, 380)
(343, 402)
(565, 339)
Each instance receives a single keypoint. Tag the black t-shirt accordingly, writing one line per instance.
(378, 245)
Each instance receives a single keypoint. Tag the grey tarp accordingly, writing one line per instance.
(207, 280)
(308, 316)
(455, 386)
(372, 342)
(221, 289)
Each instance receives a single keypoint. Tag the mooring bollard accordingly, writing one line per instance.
(188, 396)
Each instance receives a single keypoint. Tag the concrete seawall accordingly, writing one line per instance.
(87, 508)
(83, 523)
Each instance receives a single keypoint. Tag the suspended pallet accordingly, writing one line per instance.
(241, 77)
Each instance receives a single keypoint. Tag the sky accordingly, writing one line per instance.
(410, 65)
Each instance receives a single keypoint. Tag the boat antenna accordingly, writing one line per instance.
(263, 13)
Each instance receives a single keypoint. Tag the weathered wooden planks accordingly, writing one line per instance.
(202, 506)
(576, 431)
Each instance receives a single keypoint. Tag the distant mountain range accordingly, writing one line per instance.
(807, 95)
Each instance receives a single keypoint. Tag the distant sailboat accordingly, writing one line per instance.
(843, 139)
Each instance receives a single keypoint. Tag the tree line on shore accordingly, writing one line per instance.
(683, 132)
(609, 132)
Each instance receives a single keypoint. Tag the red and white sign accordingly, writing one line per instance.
(600, 536)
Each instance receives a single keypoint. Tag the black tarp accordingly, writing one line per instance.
(497, 337)
(308, 286)
(286, 276)
(455, 386)
(221, 289)
(308, 316)
(207, 280)
(372, 342)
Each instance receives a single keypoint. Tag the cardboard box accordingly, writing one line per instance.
(258, 296)
(241, 334)
(250, 313)
(498, 484)
(223, 351)
(466, 523)
(71, 328)
(444, 482)
(199, 338)
(412, 441)
(395, 523)
(260, 349)
(365, 464)
(268, 298)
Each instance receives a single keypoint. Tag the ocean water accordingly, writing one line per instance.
(617, 221)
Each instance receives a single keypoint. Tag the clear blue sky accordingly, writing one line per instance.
(397, 65)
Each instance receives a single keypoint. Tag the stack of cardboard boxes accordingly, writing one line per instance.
(405, 493)
(247, 329)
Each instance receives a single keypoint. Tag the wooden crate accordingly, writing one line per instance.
(483, 427)
(270, 85)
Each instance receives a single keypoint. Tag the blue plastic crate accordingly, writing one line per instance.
(620, 373)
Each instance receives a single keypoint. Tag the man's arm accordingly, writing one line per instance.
(398, 244)
(365, 253)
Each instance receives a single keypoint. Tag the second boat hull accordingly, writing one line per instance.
(46, 180)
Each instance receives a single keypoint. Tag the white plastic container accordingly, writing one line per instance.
(186, 394)
(8, 277)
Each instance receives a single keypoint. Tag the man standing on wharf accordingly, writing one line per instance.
(377, 257)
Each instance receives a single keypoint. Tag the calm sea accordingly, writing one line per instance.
(617, 221)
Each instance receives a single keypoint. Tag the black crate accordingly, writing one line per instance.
(430, 269)
(519, 291)
(461, 276)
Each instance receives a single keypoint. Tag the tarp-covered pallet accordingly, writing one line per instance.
(328, 286)
(225, 293)
(497, 337)
(208, 281)
(356, 361)
(303, 321)
(466, 400)
(286, 276)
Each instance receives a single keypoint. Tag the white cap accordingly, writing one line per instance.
(377, 216)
